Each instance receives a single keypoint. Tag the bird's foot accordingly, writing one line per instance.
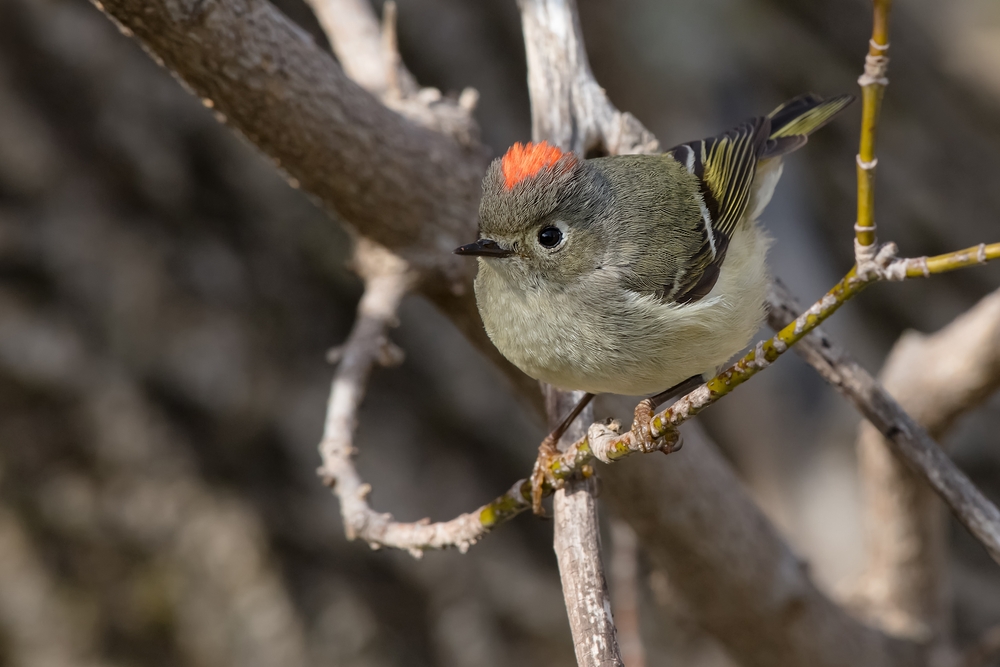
(548, 452)
(668, 443)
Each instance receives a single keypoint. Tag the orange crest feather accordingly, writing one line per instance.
(524, 160)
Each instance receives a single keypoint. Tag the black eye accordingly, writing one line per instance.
(550, 237)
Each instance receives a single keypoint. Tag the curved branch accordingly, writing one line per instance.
(387, 279)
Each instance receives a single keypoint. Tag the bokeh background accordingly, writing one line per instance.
(166, 302)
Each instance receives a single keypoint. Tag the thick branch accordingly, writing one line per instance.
(411, 189)
(385, 176)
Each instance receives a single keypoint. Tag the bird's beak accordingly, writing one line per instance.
(483, 248)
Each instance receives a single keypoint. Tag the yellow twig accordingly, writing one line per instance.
(873, 83)
(922, 267)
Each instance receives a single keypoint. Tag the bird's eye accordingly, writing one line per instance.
(550, 237)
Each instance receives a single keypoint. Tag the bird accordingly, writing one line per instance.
(633, 274)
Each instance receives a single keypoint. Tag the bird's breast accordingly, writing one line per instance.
(599, 337)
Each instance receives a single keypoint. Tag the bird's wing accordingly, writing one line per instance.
(724, 168)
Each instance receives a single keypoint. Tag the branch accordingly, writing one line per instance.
(354, 34)
(873, 83)
(407, 187)
(569, 110)
(910, 441)
(387, 279)
(739, 579)
(273, 84)
(568, 107)
(936, 379)
(577, 543)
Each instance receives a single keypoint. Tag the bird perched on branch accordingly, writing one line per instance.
(632, 274)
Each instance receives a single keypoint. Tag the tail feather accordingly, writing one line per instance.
(795, 120)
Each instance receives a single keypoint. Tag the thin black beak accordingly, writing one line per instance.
(483, 248)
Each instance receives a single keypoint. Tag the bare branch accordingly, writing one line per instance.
(936, 379)
(272, 83)
(738, 578)
(409, 188)
(577, 543)
(387, 279)
(568, 108)
(939, 377)
(910, 441)
(354, 32)
(372, 60)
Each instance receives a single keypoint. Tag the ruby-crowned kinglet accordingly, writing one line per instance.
(628, 274)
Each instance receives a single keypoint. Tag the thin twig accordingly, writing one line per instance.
(873, 83)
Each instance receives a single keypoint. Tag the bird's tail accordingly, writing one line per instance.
(796, 119)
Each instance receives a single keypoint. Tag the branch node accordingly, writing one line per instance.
(390, 355)
(867, 166)
(601, 438)
(876, 261)
(876, 68)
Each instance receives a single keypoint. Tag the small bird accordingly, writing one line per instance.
(632, 274)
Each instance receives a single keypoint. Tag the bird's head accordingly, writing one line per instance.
(540, 214)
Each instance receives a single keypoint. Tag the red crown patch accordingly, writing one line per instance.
(524, 160)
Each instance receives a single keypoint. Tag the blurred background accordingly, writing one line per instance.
(166, 302)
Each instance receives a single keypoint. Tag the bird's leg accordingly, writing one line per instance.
(670, 441)
(548, 451)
